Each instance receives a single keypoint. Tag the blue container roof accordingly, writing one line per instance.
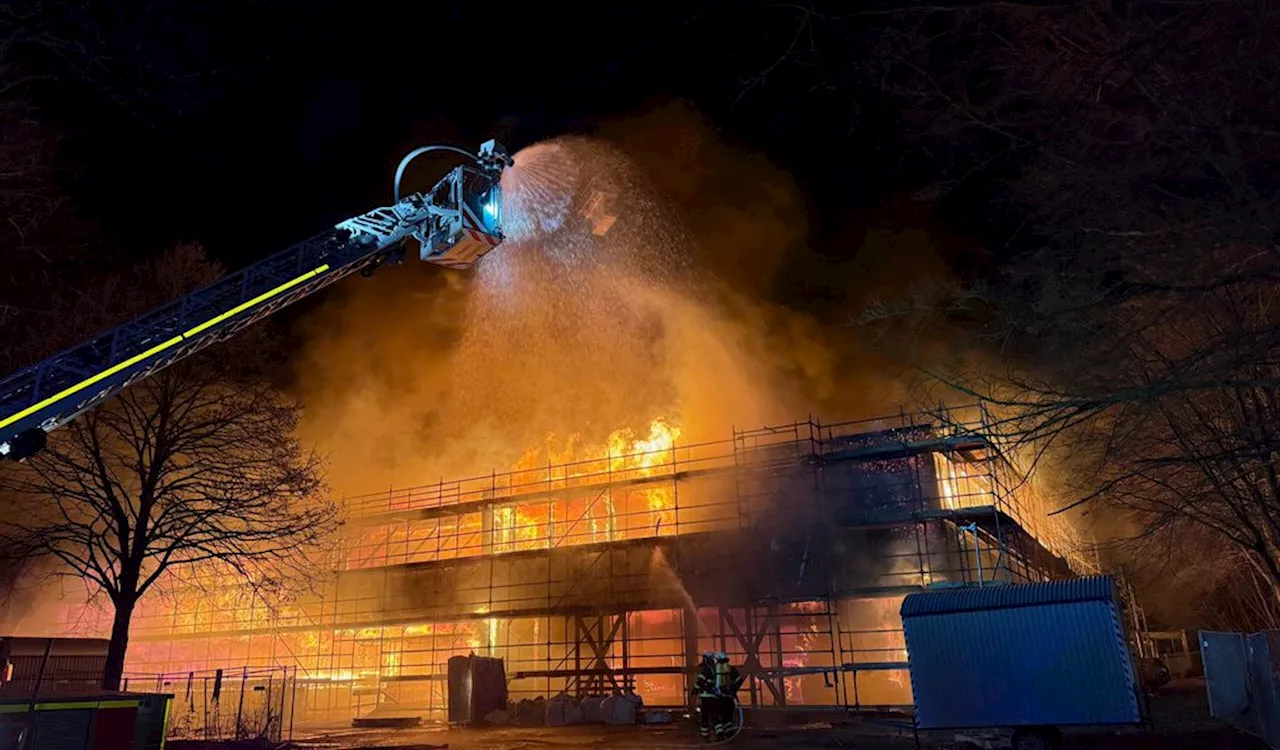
(944, 601)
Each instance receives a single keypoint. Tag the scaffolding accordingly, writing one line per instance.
(790, 548)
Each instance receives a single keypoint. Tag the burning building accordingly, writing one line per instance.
(593, 569)
(790, 548)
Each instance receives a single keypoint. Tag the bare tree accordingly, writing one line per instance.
(196, 467)
(1121, 158)
(1204, 581)
(186, 468)
(39, 234)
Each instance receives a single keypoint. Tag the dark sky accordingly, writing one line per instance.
(252, 124)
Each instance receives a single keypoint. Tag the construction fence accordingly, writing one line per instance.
(242, 704)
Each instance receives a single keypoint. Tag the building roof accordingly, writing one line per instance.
(971, 599)
(72, 695)
(34, 646)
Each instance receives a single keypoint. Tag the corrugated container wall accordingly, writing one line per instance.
(1045, 654)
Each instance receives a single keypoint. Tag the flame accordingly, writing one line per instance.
(644, 457)
(627, 509)
(626, 451)
(963, 484)
(360, 634)
(623, 455)
(339, 675)
(622, 449)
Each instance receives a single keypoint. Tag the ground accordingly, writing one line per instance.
(1180, 722)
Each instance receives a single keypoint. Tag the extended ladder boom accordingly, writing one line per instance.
(456, 223)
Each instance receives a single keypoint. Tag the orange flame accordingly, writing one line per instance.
(624, 455)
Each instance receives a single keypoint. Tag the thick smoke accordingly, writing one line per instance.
(36, 601)
(634, 284)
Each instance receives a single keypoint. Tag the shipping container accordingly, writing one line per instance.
(73, 664)
(1036, 655)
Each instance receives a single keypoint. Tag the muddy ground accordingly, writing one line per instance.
(1180, 722)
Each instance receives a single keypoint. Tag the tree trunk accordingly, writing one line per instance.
(119, 644)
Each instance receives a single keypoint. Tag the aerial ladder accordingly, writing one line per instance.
(455, 223)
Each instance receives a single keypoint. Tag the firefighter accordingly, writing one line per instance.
(727, 682)
(705, 688)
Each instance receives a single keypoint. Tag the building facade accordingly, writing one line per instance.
(791, 548)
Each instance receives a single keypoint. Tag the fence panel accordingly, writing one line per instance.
(1226, 679)
(1264, 651)
(241, 704)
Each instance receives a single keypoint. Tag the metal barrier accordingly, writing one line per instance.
(1243, 682)
(244, 704)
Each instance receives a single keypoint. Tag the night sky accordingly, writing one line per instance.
(253, 125)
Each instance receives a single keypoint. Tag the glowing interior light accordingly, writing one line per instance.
(491, 208)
